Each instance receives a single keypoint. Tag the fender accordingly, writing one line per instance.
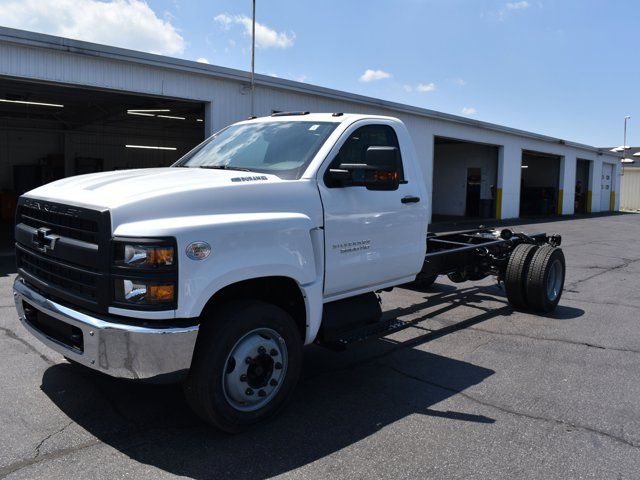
(243, 247)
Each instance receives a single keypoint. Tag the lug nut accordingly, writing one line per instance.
(262, 393)
(243, 378)
(273, 352)
(248, 391)
(273, 382)
(278, 366)
(262, 350)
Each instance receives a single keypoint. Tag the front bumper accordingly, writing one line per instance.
(119, 350)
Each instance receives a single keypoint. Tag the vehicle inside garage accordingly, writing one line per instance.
(539, 183)
(464, 179)
(49, 132)
(582, 187)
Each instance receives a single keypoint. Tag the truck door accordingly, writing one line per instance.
(372, 238)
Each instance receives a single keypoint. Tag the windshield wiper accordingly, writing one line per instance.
(224, 167)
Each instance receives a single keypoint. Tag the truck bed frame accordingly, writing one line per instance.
(474, 254)
(463, 256)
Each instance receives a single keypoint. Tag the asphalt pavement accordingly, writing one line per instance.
(473, 390)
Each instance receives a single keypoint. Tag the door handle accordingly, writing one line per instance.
(410, 199)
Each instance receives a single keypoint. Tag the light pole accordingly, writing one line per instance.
(253, 61)
(624, 145)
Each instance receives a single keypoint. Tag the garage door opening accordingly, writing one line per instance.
(539, 184)
(464, 180)
(582, 198)
(49, 132)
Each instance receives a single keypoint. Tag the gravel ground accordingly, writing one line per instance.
(474, 390)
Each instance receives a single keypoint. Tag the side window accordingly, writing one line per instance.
(355, 147)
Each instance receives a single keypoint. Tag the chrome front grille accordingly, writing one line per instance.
(64, 252)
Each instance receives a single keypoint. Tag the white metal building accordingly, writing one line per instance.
(630, 183)
(103, 98)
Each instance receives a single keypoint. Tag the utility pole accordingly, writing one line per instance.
(624, 145)
(253, 60)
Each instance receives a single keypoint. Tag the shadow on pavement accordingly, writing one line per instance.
(7, 265)
(343, 398)
(474, 296)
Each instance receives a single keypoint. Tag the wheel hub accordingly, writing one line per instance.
(260, 371)
(554, 280)
(255, 369)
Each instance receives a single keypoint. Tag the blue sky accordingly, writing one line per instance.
(566, 68)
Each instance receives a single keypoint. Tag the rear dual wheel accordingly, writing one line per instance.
(545, 281)
(534, 278)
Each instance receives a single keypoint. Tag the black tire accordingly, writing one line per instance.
(456, 277)
(545, 280)
(465, 276)
(425, 282)
(515, 277)
(222, 331)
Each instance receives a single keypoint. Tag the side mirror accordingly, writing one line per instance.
(381, 171)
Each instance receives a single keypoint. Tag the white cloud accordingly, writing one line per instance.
(224, 19)
(202, 60)
(372, 75)
(421, 87)
(512, 6)
(460, 82)
(469, 111)
(265, 37)
(301, 78)
(517, 5)
(121, 23)
(426, 87)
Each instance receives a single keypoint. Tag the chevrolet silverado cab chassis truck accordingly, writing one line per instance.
(272, 234)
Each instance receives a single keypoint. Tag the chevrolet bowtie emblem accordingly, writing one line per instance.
(43, 240)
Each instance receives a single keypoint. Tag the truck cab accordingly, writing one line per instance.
(273, 233)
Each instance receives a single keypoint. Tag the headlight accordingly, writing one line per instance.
(144, 292)
(144, 256)
(144, 273)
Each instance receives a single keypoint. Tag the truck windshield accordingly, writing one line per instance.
(280, 148)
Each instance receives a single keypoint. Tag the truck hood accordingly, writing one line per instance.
(113, 189)
(166, 193)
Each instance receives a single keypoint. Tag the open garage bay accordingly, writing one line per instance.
(464, 179)
(49, 132)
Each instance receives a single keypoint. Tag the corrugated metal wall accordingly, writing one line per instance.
(630, 189)
(228, 101)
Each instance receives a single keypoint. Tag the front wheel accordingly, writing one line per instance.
(246, 364)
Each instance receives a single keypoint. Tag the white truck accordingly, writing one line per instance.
(272, 234)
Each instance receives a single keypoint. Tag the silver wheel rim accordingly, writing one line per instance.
(255, 369)
(554, 280)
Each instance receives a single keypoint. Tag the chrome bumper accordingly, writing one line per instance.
(119, 350)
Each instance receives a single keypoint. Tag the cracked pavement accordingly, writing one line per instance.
(472, 390)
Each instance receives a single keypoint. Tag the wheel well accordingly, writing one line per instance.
(283, 292)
